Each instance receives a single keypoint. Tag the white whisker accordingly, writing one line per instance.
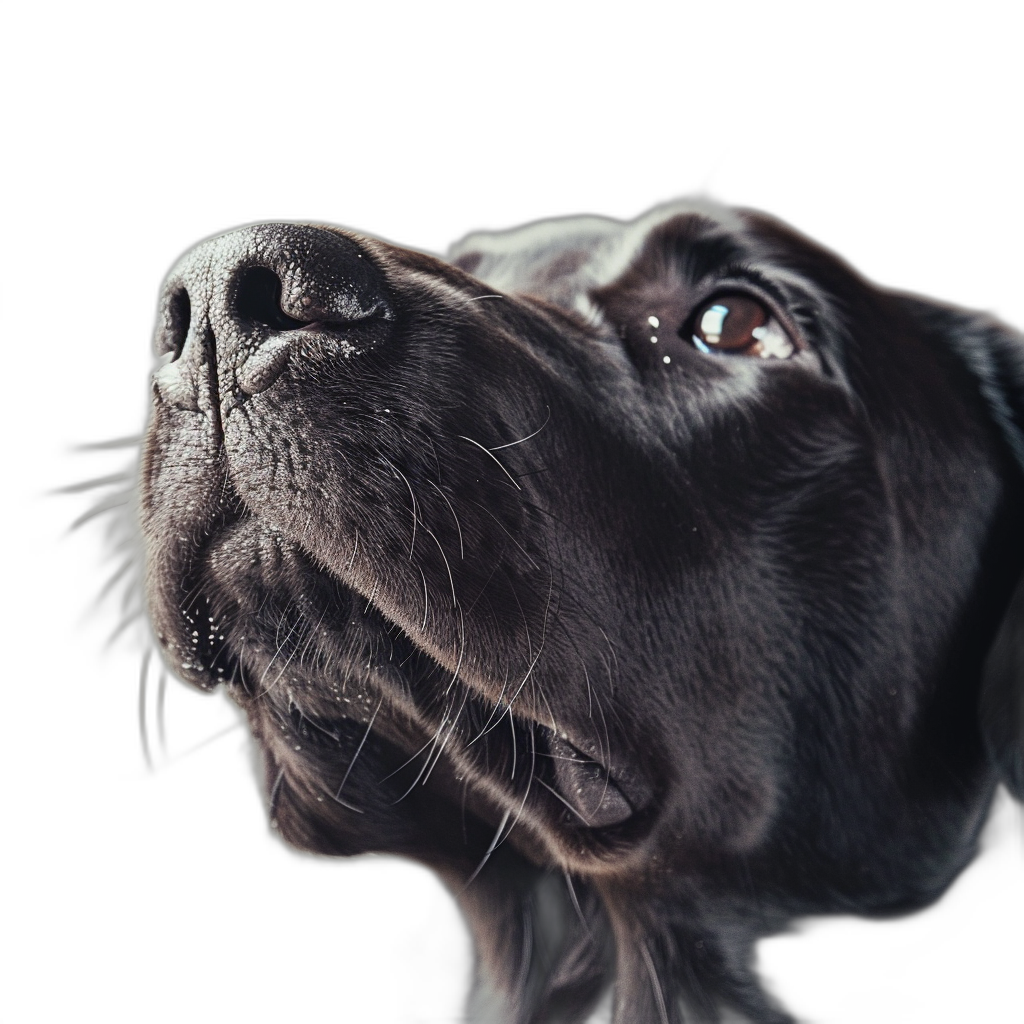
(355, 757)
(415, 513)
(458, 527)
(426, 602)
(490, 454)
(575, 901)
(498, 448)
(490, 850)
(451, 578)
(655, 983)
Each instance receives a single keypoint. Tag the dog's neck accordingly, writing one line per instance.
(560, 947)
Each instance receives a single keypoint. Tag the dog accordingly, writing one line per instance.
(654, 583)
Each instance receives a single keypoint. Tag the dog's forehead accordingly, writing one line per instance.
(553, 258)
(566, 258)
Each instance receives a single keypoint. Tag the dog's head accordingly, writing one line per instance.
(639, 578)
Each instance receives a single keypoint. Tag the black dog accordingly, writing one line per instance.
(654, 583)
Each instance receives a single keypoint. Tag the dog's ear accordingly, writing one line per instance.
(1002, 697)
(994, 354)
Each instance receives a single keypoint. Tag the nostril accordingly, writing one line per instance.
(177, 318)
(258, 300)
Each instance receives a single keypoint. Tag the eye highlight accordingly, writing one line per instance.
(740, 325)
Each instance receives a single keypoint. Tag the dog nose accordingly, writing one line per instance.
(235, 309)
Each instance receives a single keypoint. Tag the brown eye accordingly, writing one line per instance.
(741, 325)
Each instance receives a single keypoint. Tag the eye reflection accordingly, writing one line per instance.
(711, 323)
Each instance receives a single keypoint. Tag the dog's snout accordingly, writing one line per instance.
(237, 308)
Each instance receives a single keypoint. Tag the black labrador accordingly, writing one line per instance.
(653, 583)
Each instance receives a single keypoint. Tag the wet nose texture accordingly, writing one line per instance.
(236, 309)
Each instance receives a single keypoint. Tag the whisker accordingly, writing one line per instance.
(123, 625)
(272, 799)
(161, 702)
(490, 454)
(426, 764)
(497, 448)
(359, 750)
(97, 510)
(512, 726)
(143, 724)
(529, 784)
(405, 764)
(462, 649)
(655, 983)
(451, 579)
(313, 634)
(483, 508)
(284, 667)
(344, 803)
(99, 481)
(487, 725)
(111, 581)
(605, 749)
(458, 527)
(412, 495)
(196, 747)
(117, 442)
(554, 792)
(490, 850)
(529, 672)
(575, 902)
(451, 732)
(426, 602)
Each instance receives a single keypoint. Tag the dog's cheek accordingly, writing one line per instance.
(726, 817)
(391, 499)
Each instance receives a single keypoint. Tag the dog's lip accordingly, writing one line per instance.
(585, 792)
(585, 785)
(591, 790)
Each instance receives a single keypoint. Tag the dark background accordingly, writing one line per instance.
(167, 875)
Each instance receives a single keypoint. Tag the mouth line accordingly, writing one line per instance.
(581, 789)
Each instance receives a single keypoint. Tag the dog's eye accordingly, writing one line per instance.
(741, 325)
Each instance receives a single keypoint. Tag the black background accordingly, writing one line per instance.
(168, 876)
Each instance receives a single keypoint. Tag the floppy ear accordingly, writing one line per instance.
(995, 355)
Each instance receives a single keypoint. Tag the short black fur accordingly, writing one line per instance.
(644, 649)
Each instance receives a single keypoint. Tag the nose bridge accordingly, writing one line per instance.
(233, 306)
